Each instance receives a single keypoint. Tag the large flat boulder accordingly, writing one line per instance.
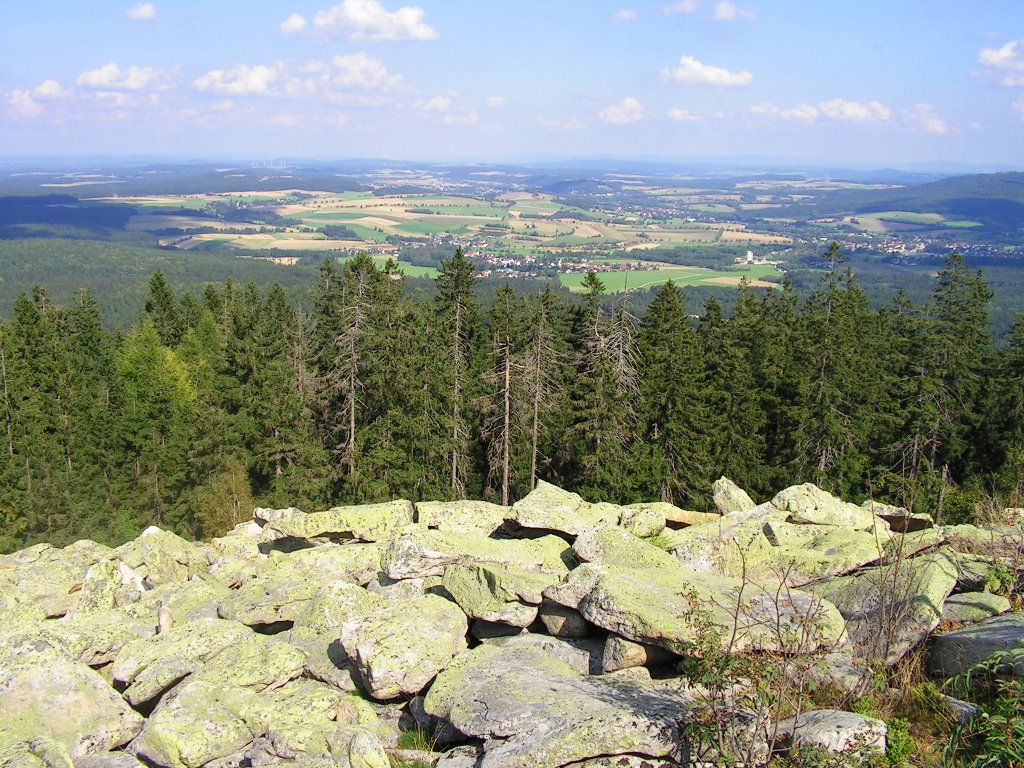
(160, 557)
(428, 553)
(497, 593)
(809, 504)
(951, 653)
(533, 710)
(465, 516)
(835, 731)
(730, 498)
(891, 609)
(550, 508)
(365, 522)
(674, 607)
(402, 645)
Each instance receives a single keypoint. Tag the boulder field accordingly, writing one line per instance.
(551, 633)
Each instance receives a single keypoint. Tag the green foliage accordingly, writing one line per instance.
(415, 738)
(994, 737)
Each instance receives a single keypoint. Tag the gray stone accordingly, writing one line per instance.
(583, 655)
(560, 621)
(809, 504)
(547, 507)
(620, 653)
(972, 607)
(642, 520)
(951, 653)
(365, 522)
(462, 516)
(161, 557)
(835, 731)
(730, 498)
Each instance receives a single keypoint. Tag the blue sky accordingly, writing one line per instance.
(884, 83)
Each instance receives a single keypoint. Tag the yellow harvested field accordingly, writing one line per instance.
(736, 281)
(142, 222)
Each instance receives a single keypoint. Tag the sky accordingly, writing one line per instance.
(877, 82)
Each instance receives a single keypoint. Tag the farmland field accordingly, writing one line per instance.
(616, 282)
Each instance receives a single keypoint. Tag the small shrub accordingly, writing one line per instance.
(995, 737)
(415, 738)
(899, 746)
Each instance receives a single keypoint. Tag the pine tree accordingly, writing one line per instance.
(162, 308)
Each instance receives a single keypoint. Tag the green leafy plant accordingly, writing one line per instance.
(995, 736)
(416, 738)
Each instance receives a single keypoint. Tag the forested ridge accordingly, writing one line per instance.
(208, 407)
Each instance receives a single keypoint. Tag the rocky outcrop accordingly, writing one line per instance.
(313, 639)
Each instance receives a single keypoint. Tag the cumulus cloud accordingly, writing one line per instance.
(293, 24)
(1004, 64)
(22, 105)
(625, 14)
(855, 111)
(692, 72)
(369, 20)
(50, 90)
(683, 115)
(435, 104)
(353, 71)
(110, 77)
(243, 80)
(629, 110)
(495, 102)
(923, 118)
(142, 12)
(802, 112)
(681, 6)
(727, 11)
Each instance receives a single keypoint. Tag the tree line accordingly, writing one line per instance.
(211, 405)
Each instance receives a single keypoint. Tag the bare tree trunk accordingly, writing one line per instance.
(505, 437)
(7, 405)
(456, 394)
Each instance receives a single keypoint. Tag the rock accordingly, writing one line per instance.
(680, 518)
(972, 607)
(402, 646)
(560, 621)
(161, 557)
(269, 599)
(110, 760)
(234, 559)
(725, 546)
(263, 515)
(365, 522)
(480, 517)
(900, 519)
(326, 660)
(582, 655)
(963, 711)
(496, 593)
(612, 546)
(328, 745)
(45, 695)
(47, 576)
(809, 504)
(642, 520)
(355, 562)
(730, 498)
(488, 630)
(549, 508)
(835, 731)
(198, 723)
(891, 609)
(428, 553)
(951, 653)
(671, 608)
(38, 752)
(534, 710)
(95, 639)
(802, 554)
(197, 598)
(620, 653)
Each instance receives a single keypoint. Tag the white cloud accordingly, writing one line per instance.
(435, 104)
(353, 71)
(571, 124)
(802, 112)
(625, 14)
(293, 24)
(855, 111)
(283, 120)
(629, 110)
(461, 118)
(142, 12)
(681, 6)
(727, 11)
(683, 115)
(369, 20)
(495, 102)
(22, 106)
(923, 118)
(50, 90)
(1005, 64)
(692, 72)
(242, 80)
(111, 77)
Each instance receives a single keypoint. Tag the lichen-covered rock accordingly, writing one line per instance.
(620, 653)
(900, 519)
(995, 541)
(49, 577)
(671, 608)
(726, 546)
(366, 522)
(972, 607)
(560, 621)
(234, 559)
(273, 597)
(547, 507)
(196, 598)
(39, 752)
(161, 557)
(497, 593)
(327, 745)
(464, 516)
(612, 546)
(802, 554)
(401, 646)
(534, 710)
(809, 504)
(583, 655)
(45, 695)
(428, 553)
(835, 731)
(643, 520)
(892, 608)
(729, 497)
(951, 653)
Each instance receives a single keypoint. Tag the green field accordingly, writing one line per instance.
(410, 270)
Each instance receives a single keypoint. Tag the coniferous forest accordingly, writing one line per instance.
(210, 406)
